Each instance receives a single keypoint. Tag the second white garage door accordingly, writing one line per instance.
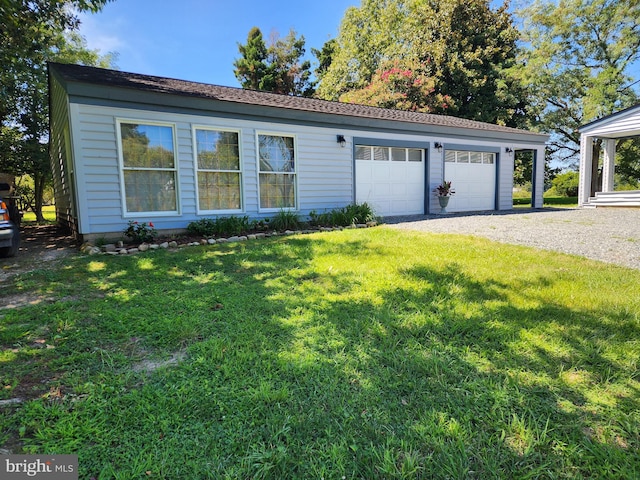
(390, 179)
(473, 177)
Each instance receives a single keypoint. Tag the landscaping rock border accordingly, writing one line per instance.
(120, 248)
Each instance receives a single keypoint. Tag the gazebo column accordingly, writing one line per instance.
(586, 155)
(538, 177)
(608, 167)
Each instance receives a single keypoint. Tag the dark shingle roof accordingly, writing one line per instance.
(150, 83)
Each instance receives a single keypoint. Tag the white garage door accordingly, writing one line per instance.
(390, 179)
(473, 177)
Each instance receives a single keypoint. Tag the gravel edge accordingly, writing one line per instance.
(610, 235)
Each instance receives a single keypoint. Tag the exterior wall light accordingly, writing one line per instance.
(438, 146)
(341, 140)
(509, 151)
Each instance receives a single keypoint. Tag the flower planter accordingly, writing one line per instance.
(444, 201)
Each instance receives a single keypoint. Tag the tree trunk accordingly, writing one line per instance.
(595, 163)
(39, 183)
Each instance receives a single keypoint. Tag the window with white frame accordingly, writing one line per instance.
(149, 170)
(218, 169)
(277, 170)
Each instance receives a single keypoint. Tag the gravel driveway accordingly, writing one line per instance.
(606, 234)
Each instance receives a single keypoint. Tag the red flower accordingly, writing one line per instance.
(151, 224)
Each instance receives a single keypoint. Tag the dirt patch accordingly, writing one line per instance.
(149, 366)
(39, 245)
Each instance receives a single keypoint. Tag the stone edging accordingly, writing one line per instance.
(121, 249)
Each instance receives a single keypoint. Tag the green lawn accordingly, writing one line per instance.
(358, 354)
(555, 202)
(48, 211)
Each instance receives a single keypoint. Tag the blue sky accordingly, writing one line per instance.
(198, 40)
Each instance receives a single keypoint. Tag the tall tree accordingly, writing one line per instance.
(577, 65)
(278, 67)
(33, 33)
(30, 29)
(464, 45)
(251, 67)
(324, 57)
(291, 74)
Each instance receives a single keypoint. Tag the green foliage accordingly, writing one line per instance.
(400, 85)
(220, 226)
(578, 65)
(285, 220)
(360, 354)
(33, 33)
(140, 232)
(251, 67)
(343, 217)
(464, 49)
(325, 57)
(628, 161)
(523, 167)
(566, 184)
(278, 68)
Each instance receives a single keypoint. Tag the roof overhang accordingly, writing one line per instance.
(622, 124)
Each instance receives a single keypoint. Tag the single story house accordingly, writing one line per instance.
(609, 129)
(127, 146)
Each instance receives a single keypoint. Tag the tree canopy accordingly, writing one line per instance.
(278, 67)
(577, 65)
(401, 85)
(33, 33)
(464, 46)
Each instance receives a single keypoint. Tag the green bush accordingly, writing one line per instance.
(566, 184)
(140, 232)
(221, 226)
(343, 217)
(285, 220)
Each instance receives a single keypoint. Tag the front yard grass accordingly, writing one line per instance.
(358, 354)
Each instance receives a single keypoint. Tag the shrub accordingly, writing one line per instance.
(361, 213)
(285, 220)
(140, 232)
(566, 184)
(343, 217)
(208, 227)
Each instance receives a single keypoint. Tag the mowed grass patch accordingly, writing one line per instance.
(358, 354)
(48, 212)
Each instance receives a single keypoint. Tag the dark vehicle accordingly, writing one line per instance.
(9, 223)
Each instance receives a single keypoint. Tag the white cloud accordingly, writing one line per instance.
(100, 36)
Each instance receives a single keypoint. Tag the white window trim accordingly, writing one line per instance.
(296, 159)
(389, 154)
(175, 169)
(200, 211)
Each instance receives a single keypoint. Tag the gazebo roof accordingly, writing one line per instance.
(625, 123)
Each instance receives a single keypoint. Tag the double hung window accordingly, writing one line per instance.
(219, 170)
(277, 171)
(148, 167)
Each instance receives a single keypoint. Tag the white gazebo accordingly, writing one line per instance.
(623, 124)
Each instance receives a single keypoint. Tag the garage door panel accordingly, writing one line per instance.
(474, 183)
(398, 190)
(381, 174)
(414, 190)
(391, 187)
